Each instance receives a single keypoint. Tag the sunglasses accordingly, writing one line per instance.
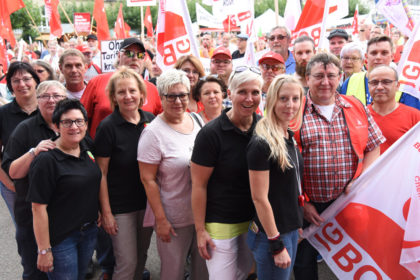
(278, 37)
(275, 68)
(131, 54)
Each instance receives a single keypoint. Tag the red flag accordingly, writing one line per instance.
(355, 24)
(3, 57)
(6, 9)
(148, 22)
(127, 30)
(102, 29)
(229, 26)
(119, 28)
(55, 23)
(13, 6)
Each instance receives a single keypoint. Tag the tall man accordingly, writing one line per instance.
(73, 66)
(339, 140)
(379, 52)
(303, 50)
(279, 42)
(393, 118)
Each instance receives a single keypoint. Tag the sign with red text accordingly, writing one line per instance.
(374, 231)
(175, 37)
(409, 65)
(82, 22)
(138, 3)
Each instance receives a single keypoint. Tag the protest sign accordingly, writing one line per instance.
(82, 23)
(109, 54)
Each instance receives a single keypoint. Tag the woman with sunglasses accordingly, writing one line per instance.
(210, 91)
(275, 171)
(194, 69)
(30, 138)
(43, 70)
(221, 197)
(164, 153)
(64, 189)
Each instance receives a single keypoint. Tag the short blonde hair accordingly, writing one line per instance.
(124, 73)
(45, 85)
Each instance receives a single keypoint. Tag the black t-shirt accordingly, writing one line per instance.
(283, 187)
(220, 144)
(27, 135)
(237, 54)
(69, 186)
(10, 116)
(118, 139)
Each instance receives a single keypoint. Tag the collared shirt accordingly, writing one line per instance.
(329, 160)
(290, 64)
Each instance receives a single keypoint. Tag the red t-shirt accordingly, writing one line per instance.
(95, 99)
(396, 123)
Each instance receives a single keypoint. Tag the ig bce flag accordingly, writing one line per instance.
(175, 37)
(374, 231)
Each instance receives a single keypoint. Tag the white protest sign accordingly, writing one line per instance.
(109, 54)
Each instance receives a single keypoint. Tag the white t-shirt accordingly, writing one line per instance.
(171, 150)
(326, 110)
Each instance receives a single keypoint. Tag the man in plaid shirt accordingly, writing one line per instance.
(339, 139)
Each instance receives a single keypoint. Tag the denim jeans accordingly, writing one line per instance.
(27, 249)
(105, 252)
(266, 269)
(10, 198)
(72, 255)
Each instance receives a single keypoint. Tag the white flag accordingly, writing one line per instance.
(292, 13)
(396, 13)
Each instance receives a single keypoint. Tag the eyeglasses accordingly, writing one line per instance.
(54, 97)
(241, 69)
(361, 30)
(40, 71)
(131, 54)
(354, 59)
(190, 71)
(385, 82)
(320, 77)
(278, 37)
(275, 68)
(69, 123)
(171, 97)
(25, 80)
(218, 61)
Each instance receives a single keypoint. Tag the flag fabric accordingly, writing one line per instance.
(397, 12)
(204, 18)
(292, 13)
(54, 18)
(13, 6)
(102, 29)
(229, 23)
(148, 22)
(3, 54)
(127, 29)
(355, 23)
(409, 65)
(6, 9)
(373, 232)
(175, 36)
(119, 28)
(250, 31)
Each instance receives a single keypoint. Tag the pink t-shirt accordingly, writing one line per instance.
(171, 150)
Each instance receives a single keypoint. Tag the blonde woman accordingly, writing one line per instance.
(275, 168)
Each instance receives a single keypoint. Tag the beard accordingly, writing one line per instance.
(300, 69)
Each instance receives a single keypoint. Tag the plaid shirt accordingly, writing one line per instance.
(329, 160)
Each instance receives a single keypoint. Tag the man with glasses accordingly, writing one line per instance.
(337, 39)
(271, 65)
(379, 52)
(303, 50)
(393, 118)
(279, 42)
(221, 63)
(339, 139)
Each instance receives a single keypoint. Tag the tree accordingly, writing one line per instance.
(21, 20)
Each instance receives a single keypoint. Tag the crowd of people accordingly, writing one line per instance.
(226, 167)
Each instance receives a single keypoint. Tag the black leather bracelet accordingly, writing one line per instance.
(276, 245)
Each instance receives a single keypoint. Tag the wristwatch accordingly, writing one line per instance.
(32, 151)
(44, 251)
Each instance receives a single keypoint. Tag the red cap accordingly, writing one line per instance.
(83, 48)
(273, 56)
(222, 51)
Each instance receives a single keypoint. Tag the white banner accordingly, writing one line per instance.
(409, 65)
(396, 13)
(175, 37)
(109, 54)
(374, 231)
(204, 18)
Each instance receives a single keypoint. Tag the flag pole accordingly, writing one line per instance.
(276, 7)
(68, 19)
(142, 23)
(33, 21)
(91, 25)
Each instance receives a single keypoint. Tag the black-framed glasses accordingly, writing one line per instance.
(68, 123)
(275, 68)
(55, 97)
(385, 82)
(171, 97)
(24, 79)
(131, 54)
(278, 37)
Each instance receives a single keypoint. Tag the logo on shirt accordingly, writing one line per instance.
(91, 156)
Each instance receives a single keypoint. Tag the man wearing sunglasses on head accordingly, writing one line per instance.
(132, 54)
(279, 42)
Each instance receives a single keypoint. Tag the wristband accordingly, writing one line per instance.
(276, 245)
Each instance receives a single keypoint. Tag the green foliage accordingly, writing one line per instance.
(21, 20)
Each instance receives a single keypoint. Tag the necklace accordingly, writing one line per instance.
(301, 198)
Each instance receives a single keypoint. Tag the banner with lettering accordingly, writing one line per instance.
(409, 65)
(374, 231)
(82, 22)
(397, 12)
(175, 36)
